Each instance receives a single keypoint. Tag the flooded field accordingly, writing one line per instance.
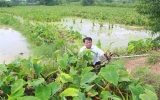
(107, 33)
(12, 45)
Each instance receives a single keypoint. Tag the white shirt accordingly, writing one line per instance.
(97, 53)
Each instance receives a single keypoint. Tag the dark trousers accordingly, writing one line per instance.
(97, 67)
(98, 63)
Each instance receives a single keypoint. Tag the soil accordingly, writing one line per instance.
(142, 62)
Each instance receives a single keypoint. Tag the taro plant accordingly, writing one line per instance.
(75, 80)
(141, 46)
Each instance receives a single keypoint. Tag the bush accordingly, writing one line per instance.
(141, 46)
(5, 4)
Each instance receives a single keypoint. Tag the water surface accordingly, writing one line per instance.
(12, 45)
(116, 34)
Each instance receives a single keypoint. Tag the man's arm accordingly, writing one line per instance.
(100, 53)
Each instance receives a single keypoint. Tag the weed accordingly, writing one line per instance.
(152, 59)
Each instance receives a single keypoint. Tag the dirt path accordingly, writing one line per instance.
(141, 62)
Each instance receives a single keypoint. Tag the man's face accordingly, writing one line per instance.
(88, 44)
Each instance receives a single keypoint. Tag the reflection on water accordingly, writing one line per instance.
(12, 45)
(107, 33)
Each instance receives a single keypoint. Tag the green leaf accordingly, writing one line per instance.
(136, 91)
(88, 78)
(81, 96)
(118, 64)
(76, 80)
(87, 54)
(17, 85)
(110, 74)
(28, 98)
(72, 71)
(63, 61)
(16, 63)
(92, 92)
(105, 94)
(27, 63)
(65, 77)
(54, 86)
(43, 93)
(37, 68)
(149, 95)
(70, 52)
(87, 87)
(124, 76)
(86, 70)
(114, 97)
(16, 94)
(6, 89)
(147, 86)
(3, 67)
(36, 82)
(70, 92)
(56, 53)
(2, 79)
(73, 60)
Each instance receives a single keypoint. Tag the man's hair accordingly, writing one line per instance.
(87, 38)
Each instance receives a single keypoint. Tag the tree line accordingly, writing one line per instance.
(8, 3)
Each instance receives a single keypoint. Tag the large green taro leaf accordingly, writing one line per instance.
(149, 94)
(16, 94)
(136, 91)
(88, 78)
(17, 85)
(63, 61)
(110, 74)
(54, 86)
(43, 93)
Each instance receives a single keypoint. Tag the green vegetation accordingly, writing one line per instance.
(5, 3)
(112, 15)
(58, 72)
(142, 46)
(72, 79)
(63, 2)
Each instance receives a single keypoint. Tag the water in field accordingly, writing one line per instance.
(12, 45)
(118, 35)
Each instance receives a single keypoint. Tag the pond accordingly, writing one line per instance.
(117, 35)
(12, 45)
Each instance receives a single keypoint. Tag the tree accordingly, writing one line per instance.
(87, 2)
(151, 8)
(4, 3)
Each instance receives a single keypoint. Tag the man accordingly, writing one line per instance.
(97, 52)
